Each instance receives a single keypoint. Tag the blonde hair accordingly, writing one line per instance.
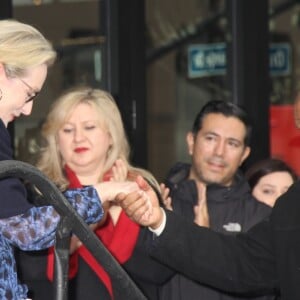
(22, 47)
(51, 162)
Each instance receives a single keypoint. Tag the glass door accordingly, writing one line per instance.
(73, 28)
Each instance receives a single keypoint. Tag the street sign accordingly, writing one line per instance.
(210, 59)
(280, 59)
(206, 60)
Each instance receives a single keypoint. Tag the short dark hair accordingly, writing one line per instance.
(265, 167)
(227, 109)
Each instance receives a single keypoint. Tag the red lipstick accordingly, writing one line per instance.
(80, 149)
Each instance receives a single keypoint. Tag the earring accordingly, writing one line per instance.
(0, 94)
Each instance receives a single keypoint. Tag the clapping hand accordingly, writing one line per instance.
(200, 210)
(167, 201)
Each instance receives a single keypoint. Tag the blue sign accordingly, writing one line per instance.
(210, 60)
(280, 59)
(206, 60)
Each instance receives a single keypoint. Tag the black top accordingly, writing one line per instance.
(13, 195)
(265, 258)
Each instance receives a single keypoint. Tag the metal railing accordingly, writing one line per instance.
(70, 222)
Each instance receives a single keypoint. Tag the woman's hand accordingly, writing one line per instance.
(119, 171)
(75, 243)
(108, 190)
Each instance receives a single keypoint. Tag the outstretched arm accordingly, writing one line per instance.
(35, 229)
(142, 206)
(242, 264)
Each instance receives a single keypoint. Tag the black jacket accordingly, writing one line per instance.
(13, 199)
(231, 210)
(265, 258)
(243, 263)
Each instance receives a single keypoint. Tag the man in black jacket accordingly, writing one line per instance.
(218, 144)
(265, 259)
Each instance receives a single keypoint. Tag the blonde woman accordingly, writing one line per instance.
(86, 144)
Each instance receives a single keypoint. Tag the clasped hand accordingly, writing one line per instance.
(142, 206)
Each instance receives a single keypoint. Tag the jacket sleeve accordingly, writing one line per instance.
(285, 220)
(35, 229)
(240, 264)
(128, 243)
(142, 266)
(13, 199)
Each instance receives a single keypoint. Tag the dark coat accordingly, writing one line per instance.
(243, 263)
(264, 259)
(13, 195)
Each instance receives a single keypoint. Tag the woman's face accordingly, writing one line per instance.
(18, 92)
(271, 186)
(82, 141)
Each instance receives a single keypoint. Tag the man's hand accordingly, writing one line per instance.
(200, 210)
(142, 206)
(165, 192)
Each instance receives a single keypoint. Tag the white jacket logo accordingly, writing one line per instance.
(233, 227)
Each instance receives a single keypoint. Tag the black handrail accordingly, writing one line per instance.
(70, 222)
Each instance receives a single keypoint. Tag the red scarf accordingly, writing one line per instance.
(120, 240)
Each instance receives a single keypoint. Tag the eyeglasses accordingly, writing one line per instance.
(33, 94)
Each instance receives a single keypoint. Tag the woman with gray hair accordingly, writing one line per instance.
(25, 56)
